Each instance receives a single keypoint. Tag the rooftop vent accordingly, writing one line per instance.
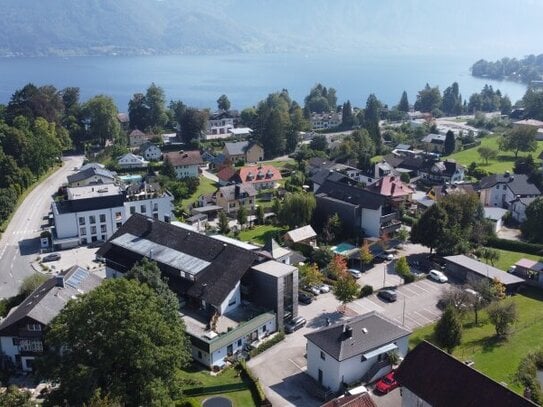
(364, 330)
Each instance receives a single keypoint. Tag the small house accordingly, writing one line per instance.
(186, 163)
(150, 151)
(247, 151)
(305, 235)
(131, 160)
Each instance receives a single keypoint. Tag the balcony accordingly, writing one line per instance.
(389, 218)
(390, 223)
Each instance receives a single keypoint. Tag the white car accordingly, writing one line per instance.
(324, 288)
(438, 276)
(355, 273)
(313, 290)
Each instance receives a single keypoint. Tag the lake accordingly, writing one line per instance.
(248, 78)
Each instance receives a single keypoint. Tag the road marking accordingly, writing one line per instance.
(422, 316)
(11, 274)
(428, 285)
(414, 320)
(433, 313)
(297, 365)
(405, 288)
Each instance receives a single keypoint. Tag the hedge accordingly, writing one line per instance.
(254, 384)
(267, 344)
(366, 290)
(515, 246)
(408, 220)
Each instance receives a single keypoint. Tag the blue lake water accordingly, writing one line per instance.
(247, 78)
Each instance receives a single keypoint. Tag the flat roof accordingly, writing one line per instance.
(235, 242)
(165, 255)
(274, 268)
(93, 191)
(484, 270)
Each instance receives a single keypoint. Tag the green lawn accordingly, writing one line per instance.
(498, 359)
(290, 163)
(504, 161)
(508, 258)
(196, 377)
(206, 187)
(259, 234)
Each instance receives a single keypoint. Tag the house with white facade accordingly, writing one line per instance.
(136, 138)
(219, 125)
(89, 175)
(431, 377)
(502, 189)
(354, 350)
(320, 121)
(229, 295)
(150, 151)
(186, 163)
(130, 160)
(518, 206)
(22, 331)
(93, 213)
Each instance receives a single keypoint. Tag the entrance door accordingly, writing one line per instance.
(320, 377)
(229, 350)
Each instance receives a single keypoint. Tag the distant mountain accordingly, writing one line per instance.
(87, 27)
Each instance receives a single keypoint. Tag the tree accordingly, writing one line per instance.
(168, 170)
(487, 153)
(533, 103)
(155, 100)
(403, 270)
(297, 209)
(502, 314)
(32, 282)
(365, 255)
(345, 289)
(322, 257)
(260, 219)
(337, 267)
(455, 297)
(372, 115)
(122, 339)
(452, 100)
(321, 99)
(319, 142)
(223, 103)
(332, 229)
(531, 227)
(428, 99)
(242, 215)
(223, 223)
(14, 397)
(520, 138)
(100, 113)
(403, 106)
(193, 123)
(309, 275)
(450, 143)
(347, 118)
(430, 228)
(402, 235)
(448, 330)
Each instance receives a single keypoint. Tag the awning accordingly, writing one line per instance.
(378, 351)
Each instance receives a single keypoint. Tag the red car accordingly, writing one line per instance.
(387, 383)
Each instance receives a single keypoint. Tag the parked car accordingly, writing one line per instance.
(304, 298)
(324, 288)
(51, 257)
(356, 390)
(387, 383)
(438, 276)
(295, 324)
(388, 295)
(355, 273)
(313, 290)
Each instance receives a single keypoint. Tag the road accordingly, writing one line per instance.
(20, 242)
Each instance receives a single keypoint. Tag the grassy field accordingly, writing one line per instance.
(504, 161)
(259, 234)
(196, 377)
(508, 258)
(206, 187)
(498, 359)
(280, 164)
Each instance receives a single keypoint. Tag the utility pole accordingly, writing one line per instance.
(384, 274)
(403, 313)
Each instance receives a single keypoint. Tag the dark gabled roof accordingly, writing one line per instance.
(442, 380)
(345, 192)
(48, 299)
(238, 147)
(517, 183)
(147, 145)
(89, 172)
(178, 158)
(378, 332)
(232, 192)
(228, 263)
(322, 175)
(90, 204)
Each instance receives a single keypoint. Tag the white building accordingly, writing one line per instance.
(354, 350)
(501, 190)
(518, 208)
(93, 213)
(90, 174)
(130, 160)
(150, 152)
(320, 121)
(186, 163)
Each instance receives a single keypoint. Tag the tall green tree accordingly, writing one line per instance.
(347, 117)
(223, 103)
(156, 104)
(452, 100)
(431, 227)
(533, 103)
(502, 314)
(223, 223)
(168, 170)
(310, 275)
(366, 257)
(448, 330)
(100, 113)
(519, 138)
(242, 215)
(372, 115)
(428, 99)
(193, 123)
(487, 153)
(297, 209)
(450, 143)
(260, 218)
(532, 228)
(403, 106)
(84, 342)
(345, 290)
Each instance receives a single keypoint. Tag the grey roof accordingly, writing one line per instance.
(88, 172)
(232, 192)
(237, 148)
(275, 249)
(147, 145)
(434, 138)
(483, 269)
(49, 298)
(403, 146)
(517, 183)
(378, 331)
(303, 233)
(322, 175)
(275, 268)
(351, 194)
(494, 213)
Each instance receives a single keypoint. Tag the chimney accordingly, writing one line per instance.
(59, 281)
(237, 191)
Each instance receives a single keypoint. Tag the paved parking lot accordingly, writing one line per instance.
(82, 256)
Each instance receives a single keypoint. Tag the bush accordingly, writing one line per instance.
(254, 384)
(366, 290)
(515, 246)
(408, 220)
(267, 344)
(527, 374)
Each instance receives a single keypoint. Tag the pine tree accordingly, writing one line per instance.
(448, 330)
(168, 169)
(403, 106)
(450, 143)
(223, 223)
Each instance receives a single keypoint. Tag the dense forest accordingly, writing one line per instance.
(525, 70)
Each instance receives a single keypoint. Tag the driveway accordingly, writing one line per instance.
(82, 256)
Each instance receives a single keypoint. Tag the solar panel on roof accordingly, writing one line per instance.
(77, 277)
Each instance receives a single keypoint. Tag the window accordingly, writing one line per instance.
(143, 208)
(232, 301)
(199, 355)
(118, 216)
(30, 345)
(102, 218)
(81, 220)
(33, 327)
(239, 343)
(323, 356)
(82, 231)
(264, 328)
(92, 219)
(155, 216)
(504, 187)
(132, 210)
(118, 225)
(103, 228)
(93, 230)
(155, 207)
(15, 341)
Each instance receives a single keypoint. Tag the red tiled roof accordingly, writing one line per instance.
(256, 174)
(184, 158)
(226, 173)
(390, 186)
(358, 400)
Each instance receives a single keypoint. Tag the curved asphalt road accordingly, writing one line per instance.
(20, 242)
